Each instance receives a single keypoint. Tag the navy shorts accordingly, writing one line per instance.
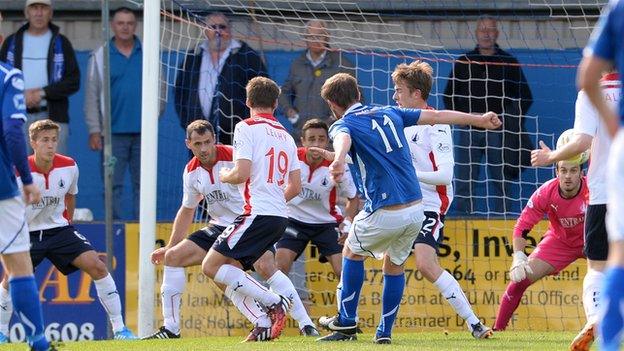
(596, 246)
(249, 237)
(298, 234)
(206, 236)
(59, 245)
(432, 230)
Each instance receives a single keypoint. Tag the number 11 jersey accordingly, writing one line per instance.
(273, 155)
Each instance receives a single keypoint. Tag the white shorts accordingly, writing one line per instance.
(615, 182)
(14, 235)
(386, 232)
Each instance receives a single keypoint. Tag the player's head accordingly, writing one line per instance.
(123, 23)
(340, 91)
(262, 93)
(38, 14)
(315, 133)
(412, 84)
(569, 175)
(487, 32)
(218, 31)
(43, 135)
(200, 139)
(316, 36)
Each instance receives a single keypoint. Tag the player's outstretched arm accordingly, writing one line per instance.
(488, 120)
(181, 225)
(544, 156)
(293, 188)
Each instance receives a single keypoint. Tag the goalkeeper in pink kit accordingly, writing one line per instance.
(564, 201)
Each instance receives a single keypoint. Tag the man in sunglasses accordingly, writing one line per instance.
(211, 84)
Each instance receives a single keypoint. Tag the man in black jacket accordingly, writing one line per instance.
(48, 62)
(211, 83)
(489, 79)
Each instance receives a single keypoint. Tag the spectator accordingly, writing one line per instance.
(211, 83)
(301, 93)
(49, 64)
(498, 85)
(126, 61)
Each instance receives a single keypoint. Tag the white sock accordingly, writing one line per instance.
(450, 289)
(338, 292)
(109, 298)
(249, 308)
(171, 290)
(6, 310)
(592, 284)
(280, 283)
(242, 282)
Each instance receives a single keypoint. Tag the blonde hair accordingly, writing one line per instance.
(40, 126)
(416, 75)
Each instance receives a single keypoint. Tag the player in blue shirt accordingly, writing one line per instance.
(393, 213)
(14, 237)
(605, 50)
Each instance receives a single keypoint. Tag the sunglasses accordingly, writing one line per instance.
(218, 26)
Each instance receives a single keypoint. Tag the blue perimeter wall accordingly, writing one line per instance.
(553, 88)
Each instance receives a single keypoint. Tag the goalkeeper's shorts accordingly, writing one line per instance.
(556, 252)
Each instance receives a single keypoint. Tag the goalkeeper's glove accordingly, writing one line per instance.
(519, 267)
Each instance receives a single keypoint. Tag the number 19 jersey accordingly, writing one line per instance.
(382, 165)
(273, 155)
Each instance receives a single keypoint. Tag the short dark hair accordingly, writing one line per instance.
(262, 92)
(200, 126)
(122, 9)
(341, 89)
(314, 123)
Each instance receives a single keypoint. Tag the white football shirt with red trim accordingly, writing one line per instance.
(316, 203)
(224, 200)
(432, 146)
(273, 155)
(61, 179)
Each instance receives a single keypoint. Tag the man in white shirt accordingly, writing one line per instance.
(590, 132)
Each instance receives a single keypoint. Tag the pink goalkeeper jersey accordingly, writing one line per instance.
(566, 216)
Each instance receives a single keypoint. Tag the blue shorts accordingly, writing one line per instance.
(60, 245)
(298, 234)
(249, 237)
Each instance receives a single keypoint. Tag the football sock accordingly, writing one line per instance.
(393, 287)
(109, 298)
(592, 284)
(249, 308)
(338, 294)
(453, 293)
(25, 296)
(612, 323)
(280, 284)
(241, 282)
(171, 290)
(6, 310)
(352, 280)
(509, 302)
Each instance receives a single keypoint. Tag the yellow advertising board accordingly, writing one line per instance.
(476, 252)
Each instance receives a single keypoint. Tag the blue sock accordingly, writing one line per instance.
(25, 298)
(613, 297)
(352, 280)
(391, 300)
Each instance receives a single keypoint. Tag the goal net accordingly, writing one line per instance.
(493, 176)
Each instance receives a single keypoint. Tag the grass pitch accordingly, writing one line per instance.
(425, 341)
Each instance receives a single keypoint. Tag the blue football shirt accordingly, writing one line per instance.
(382, 166)
(607, 40)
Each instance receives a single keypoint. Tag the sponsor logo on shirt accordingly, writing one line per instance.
(570, 222)
(46, 201)
(216, 196)
(309, 194)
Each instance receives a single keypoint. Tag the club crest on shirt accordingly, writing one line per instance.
(61, 183)
(415, 137)
(324, 182)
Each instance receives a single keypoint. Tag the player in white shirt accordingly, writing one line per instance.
(224, 201)
(313, 214)
(431, 147)
(52, 235)
(267, 172)
(590, 131)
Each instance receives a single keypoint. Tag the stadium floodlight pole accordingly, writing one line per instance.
(149, 151)
(108, 159)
